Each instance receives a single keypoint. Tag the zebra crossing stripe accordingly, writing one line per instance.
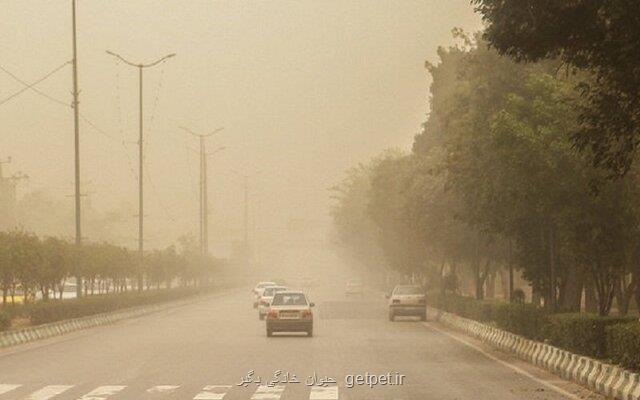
(162, 389)
(48, 392)
(324, 393)
(268, 392)
(4, 388)
(102, 392)
(212, 392)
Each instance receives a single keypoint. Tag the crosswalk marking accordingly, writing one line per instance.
(162, 389)
(102, 392)
(268, 392)
(48, 392)
(4, 388)
(324, 393)
(212, 392)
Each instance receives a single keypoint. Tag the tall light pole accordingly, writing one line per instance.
(245, 182)
(140, 67)
(205, 196)
(76, 124)
(202, 185)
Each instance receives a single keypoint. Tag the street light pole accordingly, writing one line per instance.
(76, 124)
(140, 67)
(202, 187)
(205, 196)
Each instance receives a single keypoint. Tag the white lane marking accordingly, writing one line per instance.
(507, 364)
(324, 393)
(48, 392)
(162, 389)
(102, 392)
(268, 393)
(212, 392)
(4, 388)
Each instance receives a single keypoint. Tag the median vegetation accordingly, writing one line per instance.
(36, 277)
(613, 339)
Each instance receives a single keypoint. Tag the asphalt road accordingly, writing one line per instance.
(203, 350)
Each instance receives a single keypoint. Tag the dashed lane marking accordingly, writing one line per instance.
(48, 392)
(162, 389)
(268, 392)
(212, 392)
(102, 392)
(324, 393)
(507, 364)
(5, 388)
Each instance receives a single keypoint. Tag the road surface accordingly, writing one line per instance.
(203, 350)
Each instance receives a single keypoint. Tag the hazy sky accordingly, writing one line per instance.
(304, 89)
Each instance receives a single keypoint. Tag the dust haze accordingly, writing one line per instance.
(303, 89)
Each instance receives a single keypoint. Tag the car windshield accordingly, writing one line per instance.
(289, 299)
(408, 290)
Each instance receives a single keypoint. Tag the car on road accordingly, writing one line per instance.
(407, 300)
(265, 300)
(353, 288)
(290, 311)
(257, 291)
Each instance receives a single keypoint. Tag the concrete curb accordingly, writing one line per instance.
(605, 379)
(45, 331)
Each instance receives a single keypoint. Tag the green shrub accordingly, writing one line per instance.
(5, 321)
(56, 310)
(580, 333)
(527, 320)
(623, 344)
(466, 307)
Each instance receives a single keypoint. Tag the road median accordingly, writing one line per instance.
(44, 331)
(606, 379)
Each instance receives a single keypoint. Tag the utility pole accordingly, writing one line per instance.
(245, 179)
(140, 67)
(246, 213)
(76, 124)
(205, 201)
(203, 212)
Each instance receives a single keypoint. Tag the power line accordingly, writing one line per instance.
(31, 86)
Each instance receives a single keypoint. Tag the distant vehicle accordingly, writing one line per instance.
(280, 281)
(265, 300)
(407, 300)
(257, 291)
(290, 311)
(353, 288)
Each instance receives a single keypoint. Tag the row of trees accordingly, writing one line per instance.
(34, 267)
(495, 182)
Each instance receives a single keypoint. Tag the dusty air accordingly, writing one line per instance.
(323, 200)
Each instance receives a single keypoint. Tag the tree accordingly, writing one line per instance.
(600, 38)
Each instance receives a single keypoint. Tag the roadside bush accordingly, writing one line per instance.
(623, 344)
(5, 321)
(580, 333)
(614, 338)
(527, 320)
(466, 307)
(57, 310)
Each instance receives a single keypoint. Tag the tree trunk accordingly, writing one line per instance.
(571, 295)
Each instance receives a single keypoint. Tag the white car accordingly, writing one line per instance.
(265, 300)
(290, 311)
(257, 291)
(407, 300)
